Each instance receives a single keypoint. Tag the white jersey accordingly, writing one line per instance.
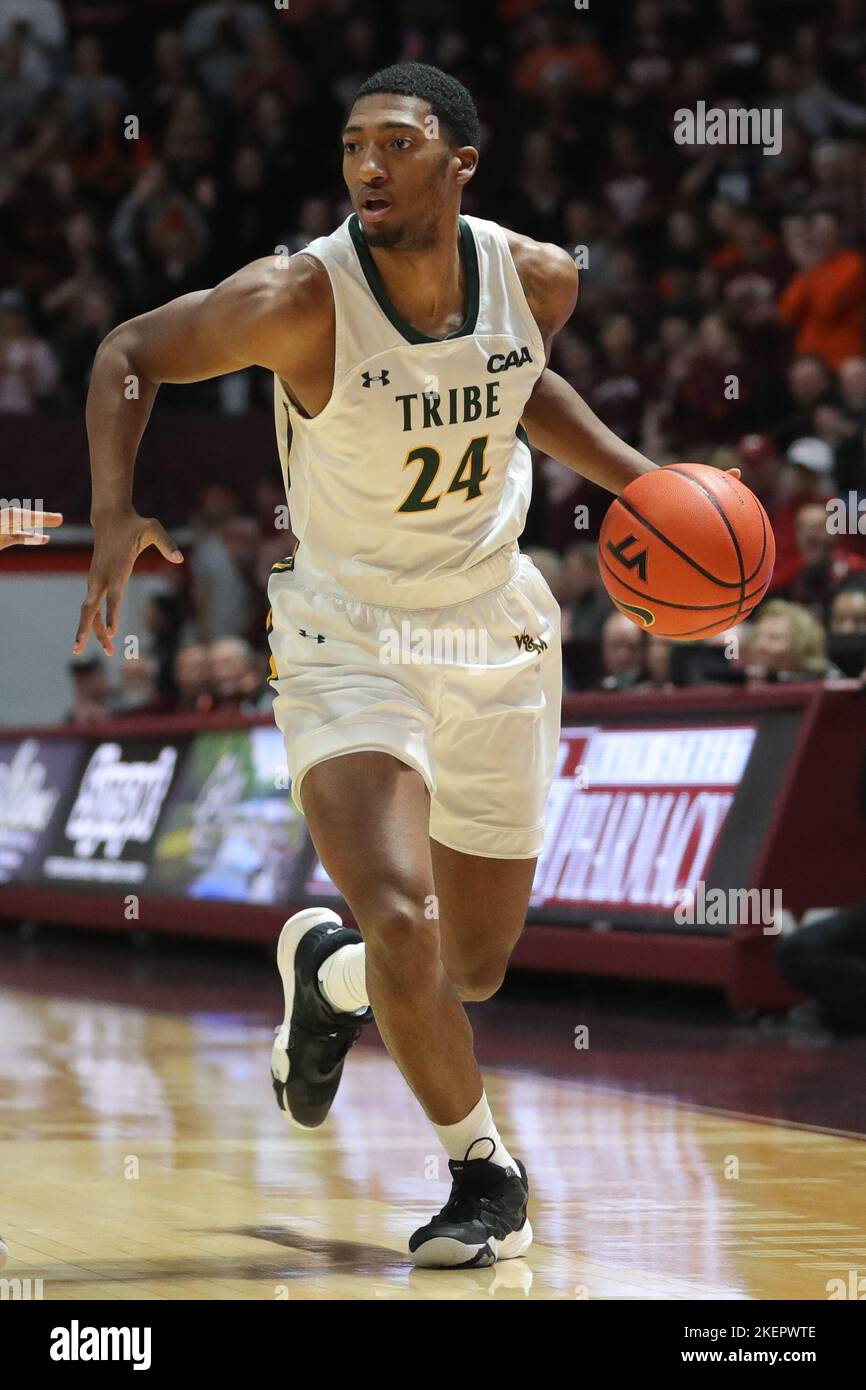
(411, 487)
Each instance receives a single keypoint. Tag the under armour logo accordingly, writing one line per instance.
(631, 562)
(369, 377)
(530, 644)
(313, 636)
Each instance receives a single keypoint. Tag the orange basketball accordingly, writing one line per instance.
(686, 551)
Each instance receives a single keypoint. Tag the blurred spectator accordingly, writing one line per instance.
(88, 84)
(621, 391)
(551, 566)
(41, 20)
(760, 466)
(275, 538)
(826, 300)
(848, 609)
(658, 665)
(844, 427)
(315, 219)
(585, 605)
(237, 677)
(160, 236)
(169, 75)
(585, 228)
(269, 68)
(809, 386)
(91, 692)
(215, 36)
(847, 640)
(88, 315)
(139, 693)
(221, 567)
(787, 644)
(28, 368)
(822, 568)
(711, 391)
(250, 211)
(558, 55)
(806, 477)
(163, 618)
(623, 653)
(751, 263)
(192, 680)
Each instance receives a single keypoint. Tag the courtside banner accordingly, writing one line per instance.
(36, 779)
(105, 838)
(231, 832)
(635, 815)
(645, 812)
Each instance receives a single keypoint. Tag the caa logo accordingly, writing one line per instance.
(499, 362)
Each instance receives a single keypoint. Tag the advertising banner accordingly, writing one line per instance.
(635, 815)
(105, 839)
(35, 777)
(231, 831)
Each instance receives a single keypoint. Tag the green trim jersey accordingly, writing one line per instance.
(411, 487)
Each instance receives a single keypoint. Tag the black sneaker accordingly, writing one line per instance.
(484, 1219)
(311, 1043)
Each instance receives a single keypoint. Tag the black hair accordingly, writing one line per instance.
(450, 102)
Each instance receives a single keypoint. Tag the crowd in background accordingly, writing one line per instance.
(150, 149)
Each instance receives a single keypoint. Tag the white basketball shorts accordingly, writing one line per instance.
(469, 695)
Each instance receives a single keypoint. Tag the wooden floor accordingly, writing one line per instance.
(142, 1157)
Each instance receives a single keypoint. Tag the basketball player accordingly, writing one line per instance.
(408, 350)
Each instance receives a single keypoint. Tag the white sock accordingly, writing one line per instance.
(342, 979)
(478, 1124)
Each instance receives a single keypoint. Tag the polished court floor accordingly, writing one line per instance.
(142, 1155)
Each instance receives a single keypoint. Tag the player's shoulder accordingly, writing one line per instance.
(273, 286)
(549, 278)
(543, 267)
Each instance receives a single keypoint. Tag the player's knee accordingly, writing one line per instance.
(478, 982)
(394, 927)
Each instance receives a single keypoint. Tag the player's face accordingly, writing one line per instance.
(401, 175)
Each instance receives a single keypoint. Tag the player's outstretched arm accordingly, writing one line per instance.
(561, 424)
(266, 315)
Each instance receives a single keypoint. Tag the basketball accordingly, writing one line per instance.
(686, 551)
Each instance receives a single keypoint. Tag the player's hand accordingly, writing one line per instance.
(118, 542)
(18, 524)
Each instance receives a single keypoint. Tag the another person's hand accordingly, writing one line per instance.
(20, 526)
(118, 542)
